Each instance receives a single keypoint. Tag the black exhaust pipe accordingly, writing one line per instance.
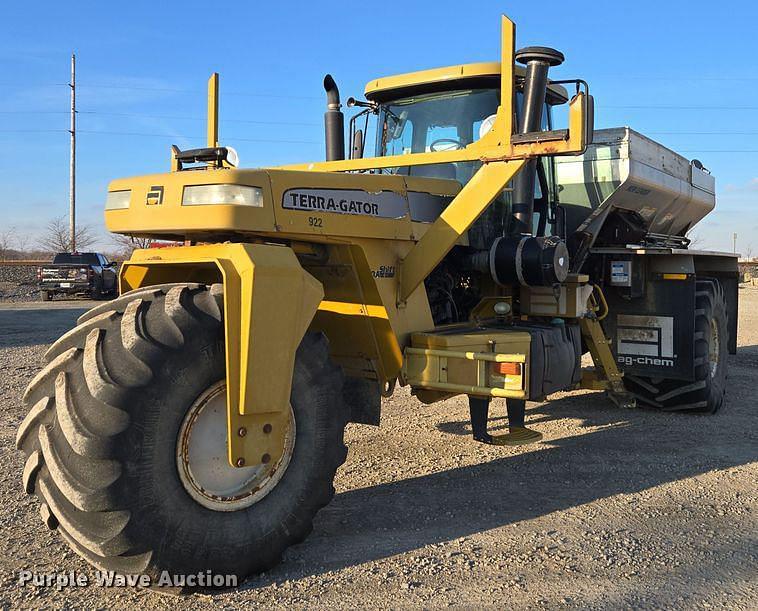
(538, 61)
(334, 122)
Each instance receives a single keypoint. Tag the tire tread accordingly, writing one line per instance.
(81, 403)
(701, 395)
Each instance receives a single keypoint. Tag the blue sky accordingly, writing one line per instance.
(142, 69)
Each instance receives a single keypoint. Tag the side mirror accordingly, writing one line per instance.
(589, 115)
(397, 131)
(357, 145)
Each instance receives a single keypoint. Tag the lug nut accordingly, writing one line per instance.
(242, 431)
(266, 458)
(267, 428)
(240, 462)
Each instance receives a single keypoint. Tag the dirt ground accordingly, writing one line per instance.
(615, 509)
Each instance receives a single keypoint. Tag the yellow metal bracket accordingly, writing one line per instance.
(606, 375)
(455, 221)
(269, 302)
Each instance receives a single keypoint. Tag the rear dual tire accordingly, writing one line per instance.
(101, 440)
(706, 393)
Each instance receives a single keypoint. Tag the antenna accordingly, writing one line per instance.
(72, 167)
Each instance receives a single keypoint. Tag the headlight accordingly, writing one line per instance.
(238, 195)
(117, 200)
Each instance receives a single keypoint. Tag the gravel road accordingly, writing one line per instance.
(615, 509)
(18, 283)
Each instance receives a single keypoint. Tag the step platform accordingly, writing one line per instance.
(519, 436)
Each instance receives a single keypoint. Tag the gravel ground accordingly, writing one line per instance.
(615, 509)
(18, 283)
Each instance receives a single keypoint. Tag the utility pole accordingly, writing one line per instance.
(734, 243)
(72, 167)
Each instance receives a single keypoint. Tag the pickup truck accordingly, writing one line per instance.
(78, 273)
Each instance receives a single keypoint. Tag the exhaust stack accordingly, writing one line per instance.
(538, 61)
(334, 122)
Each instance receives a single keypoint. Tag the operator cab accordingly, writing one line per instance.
(448, 109)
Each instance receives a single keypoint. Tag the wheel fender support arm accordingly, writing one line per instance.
(269, 302)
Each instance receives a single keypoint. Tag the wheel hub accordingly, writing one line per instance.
(201, 458)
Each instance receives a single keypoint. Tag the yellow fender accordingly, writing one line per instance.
(269, 302)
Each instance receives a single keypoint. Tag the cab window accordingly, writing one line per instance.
(423, 123)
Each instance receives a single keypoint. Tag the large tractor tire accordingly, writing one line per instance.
(706, 393)
(125, 442)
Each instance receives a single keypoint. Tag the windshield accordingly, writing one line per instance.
(439, 122)
(435, 122)
(446, 121)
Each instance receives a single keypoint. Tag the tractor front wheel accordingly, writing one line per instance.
(125, 442)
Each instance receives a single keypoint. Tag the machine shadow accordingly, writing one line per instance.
(36, 326)
(380, 521)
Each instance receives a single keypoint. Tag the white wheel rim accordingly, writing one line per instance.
(202, 463)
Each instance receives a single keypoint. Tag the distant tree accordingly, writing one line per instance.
(127, 244)
(22, 243)
(6, 241)
(14, 244)
(56, 236)
(696, 240)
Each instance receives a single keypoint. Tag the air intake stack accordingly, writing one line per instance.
(521, 258)
(538, 61)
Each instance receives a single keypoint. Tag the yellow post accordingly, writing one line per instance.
(507, 84)
(213, 110)
(499, 137)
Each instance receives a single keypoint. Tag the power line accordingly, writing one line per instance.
(721, 133)
(152, 135)
(150, 116)
(30, 85)
(719, 151)
(232, 139)
(189, 118)
(34, 112)
(32, 131)
(678, 77)
(675, 107)
(253, 94)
